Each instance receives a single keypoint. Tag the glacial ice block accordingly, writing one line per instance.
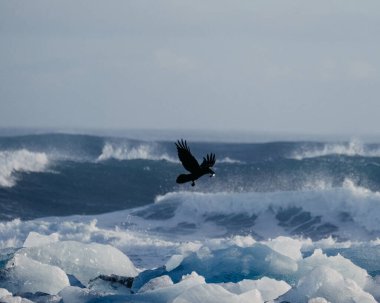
(342, 265)
(36, 239)
(231, 264)
(327, 283)
(23, 274)
(214, 293)
(235, 263)
(84, 261)
(270, 289)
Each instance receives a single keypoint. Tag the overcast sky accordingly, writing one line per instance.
(276, 66)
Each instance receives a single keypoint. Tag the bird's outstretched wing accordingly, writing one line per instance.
(208, 161)
(187, 159)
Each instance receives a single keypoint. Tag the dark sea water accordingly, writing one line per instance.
(59, 174)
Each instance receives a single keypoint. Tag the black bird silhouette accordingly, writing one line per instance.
(192, 165)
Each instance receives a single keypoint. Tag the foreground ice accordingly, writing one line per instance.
(55, 268)
(84, 261)
(325, 282)
(23, 274)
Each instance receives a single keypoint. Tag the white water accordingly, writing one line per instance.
(193, 229)
(21, 160)
(353, 148)
(126, 152)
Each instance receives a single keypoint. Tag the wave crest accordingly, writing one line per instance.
(125, 152)
(350, 211)
(21, 160)
(351, 149)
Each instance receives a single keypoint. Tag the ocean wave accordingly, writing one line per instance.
(350, 211)
(229, 160)
(126, 152)
(351, 149)
(21, 160)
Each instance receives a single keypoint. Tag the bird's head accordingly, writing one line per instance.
(211, 172)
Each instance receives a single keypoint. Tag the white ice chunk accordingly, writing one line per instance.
(168, 294)
(344, 266)
(327, 283)
(237, 262)
(318, 300)
(156, 283)
(286, 246)
(36, 239)
(26, 275)
(193, 277)
(4, 293)
(270, 289)
(74, 294)
(84, 261)
(173, 262)
(214, 293)
(10, 299)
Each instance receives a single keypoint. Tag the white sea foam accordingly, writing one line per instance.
(360, 206)
(352, 148)
(229, 160)
(21, 160)
(127, 152)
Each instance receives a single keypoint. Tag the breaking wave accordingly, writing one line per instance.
(127, 152)
(21, 160)
(350, 211)
(229, 160)
(351, 149)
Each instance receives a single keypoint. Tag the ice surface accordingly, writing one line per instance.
(84, 261)
(16, 299)
(340, 264)
(365, 256)
(36, 239)
(193, 288)
(4, 293)
(156, 283)
(238, 263)
(214, 293)
(327, 283)
(168, 294)
(287, 246)
(23, 274)
(186, 267)
(318, 300)
(269, 289)
(174, 262)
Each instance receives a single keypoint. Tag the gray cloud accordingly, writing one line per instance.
(297, 66)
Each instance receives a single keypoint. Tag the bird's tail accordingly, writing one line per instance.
(184, 178)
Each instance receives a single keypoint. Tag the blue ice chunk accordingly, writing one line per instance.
(231, 264)
(364, 256)
(146, 276)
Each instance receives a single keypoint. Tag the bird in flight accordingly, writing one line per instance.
(192, 165)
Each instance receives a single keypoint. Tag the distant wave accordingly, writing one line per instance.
(229, 160)
(21, 160)
(126, 152)
(353, 148)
